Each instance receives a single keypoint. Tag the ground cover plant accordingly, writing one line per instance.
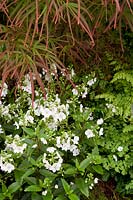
(62, 146)
(66, 106)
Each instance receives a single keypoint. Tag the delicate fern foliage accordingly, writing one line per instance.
(124, 75)
(121, 94)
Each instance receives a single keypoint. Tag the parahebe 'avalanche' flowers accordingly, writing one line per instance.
(120, 148)
(1, 130)
(101, 132)
(6, 162)
(4, 90)
(89, 133)
(75, 91)
(68, 143)
(15, 144)
(91, 82)
(100, 121)
(52, 159)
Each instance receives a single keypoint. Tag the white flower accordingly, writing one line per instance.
(101, 131)
(28, 117)
(89, 133)
(115, 158)
(85, 92)
(75, 152)
(95, 180)
(90, 117)
(72, 73)
(34, 146)
(58, 142)
(17, 145)
(17, 125)
(44, 193)
(4, 90)
(1, 130)
(51, 149)
(46, 112)
(90, 187)
(120, 148)
(91, 82)
(100, 121)
(75, 91)
(44, 141)
(7, 167)
(56, 186)
(61, 116)
(5, 164)
(54, 162)
(75, 139)
(81, 108)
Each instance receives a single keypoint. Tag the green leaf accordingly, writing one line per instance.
(98, 169)
(31, 180)
(85, 163)
(28, 172)
(60, 197)
(47, 174)
(71, 170)
(4, 188)
(73, 197)
(66, 186)
(29, 131)
(83, 187)
(2, 196)
(14, 187)
(33, 188)
(36, 196)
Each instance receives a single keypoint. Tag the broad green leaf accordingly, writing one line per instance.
(98, 169)
(14, 187)
(73, 197)
(31, 180)
(2, 196)
(60, 197)
(85, 163)
(36, 196)
(29, 131)
(48, 174)
(83, 187)
(66, 186)
(33, 188)
(71, 170)
(4, 188)
(28, 173)
(33, 162)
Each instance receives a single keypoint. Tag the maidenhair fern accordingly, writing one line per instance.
(121, 94)
(124, 75)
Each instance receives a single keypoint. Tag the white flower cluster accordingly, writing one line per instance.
(16, 145)
(27, 84)
(52, 111)
(52, 160)
(100, 121)
(91, 82)
(6, 162)
(4, 90)
(92, 184)
(111, 106)
(68, 143)
(89, 133)
(5, 111)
